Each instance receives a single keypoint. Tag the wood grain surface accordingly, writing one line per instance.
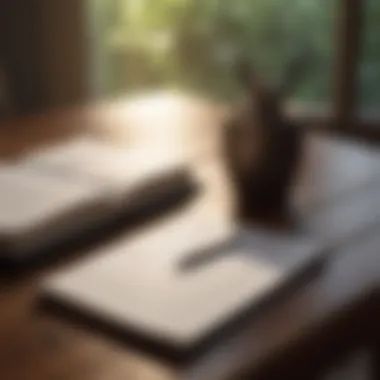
(34, 345)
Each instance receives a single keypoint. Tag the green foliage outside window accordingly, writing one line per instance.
(370, 63)
(193, 44)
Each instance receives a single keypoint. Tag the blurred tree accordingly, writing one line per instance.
(193, 44)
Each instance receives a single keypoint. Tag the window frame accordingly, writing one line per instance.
(344, 115)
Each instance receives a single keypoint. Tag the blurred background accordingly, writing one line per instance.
(56, 53)
(192, 44)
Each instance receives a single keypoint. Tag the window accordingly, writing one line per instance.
(192, 44)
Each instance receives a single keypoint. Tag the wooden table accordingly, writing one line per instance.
(306, 327)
